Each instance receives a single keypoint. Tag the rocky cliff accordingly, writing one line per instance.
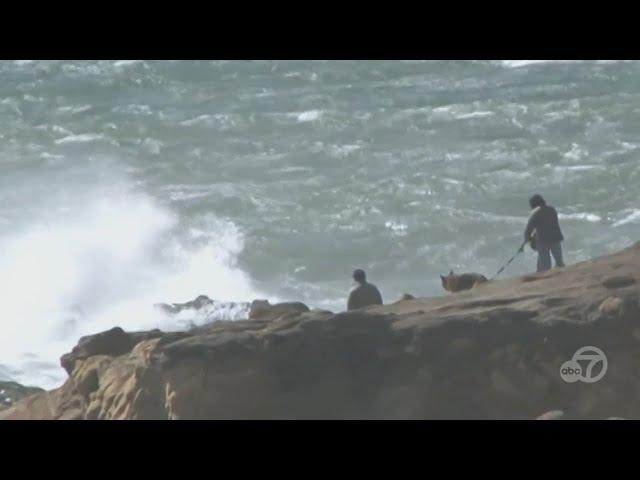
(492, 352)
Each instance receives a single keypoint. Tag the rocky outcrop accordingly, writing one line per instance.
(195, 304)
(263, 310)
(495, 351)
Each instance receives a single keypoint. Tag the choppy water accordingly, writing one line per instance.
(126, 183)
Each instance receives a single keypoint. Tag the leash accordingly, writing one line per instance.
(520, 250)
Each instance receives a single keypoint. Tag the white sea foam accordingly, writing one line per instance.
(309, 116)
(632, 216)
(107, 264)
(527, 63)
(589, 217)
(74, 108)
(396, 227)
(576, 152)
(341, 151)
(479, 114)
(152, 145)
(83, 138)
(126, 63)
(579, 168)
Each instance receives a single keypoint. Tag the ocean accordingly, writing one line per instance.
(128, 183)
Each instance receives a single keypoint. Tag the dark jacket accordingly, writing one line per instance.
(544, 220)
(363, 295)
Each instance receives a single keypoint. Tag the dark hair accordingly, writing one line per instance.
(537, 201)
(359, 275)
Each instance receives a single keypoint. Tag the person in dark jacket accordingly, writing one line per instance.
(364, 293)
(548, 236)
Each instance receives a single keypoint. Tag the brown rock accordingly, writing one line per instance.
(620, 281)
(262, 310)
(113, 342)
(493, 352)
(611, 306)
(405, 297)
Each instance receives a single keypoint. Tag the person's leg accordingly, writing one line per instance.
(544, 259)
(556, 251)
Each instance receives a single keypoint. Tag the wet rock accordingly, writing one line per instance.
(620, 281)
(263, 310)
(196, 304)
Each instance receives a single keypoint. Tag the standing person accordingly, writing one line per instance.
(548, 236)
(364, 293)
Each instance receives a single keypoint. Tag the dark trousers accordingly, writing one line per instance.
(545, 251)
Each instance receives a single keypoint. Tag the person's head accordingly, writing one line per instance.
(537, 201)
(359, 275)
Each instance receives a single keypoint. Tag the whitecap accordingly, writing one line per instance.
(126, 63)
(589, 217)
(341, 151)
(580, 168)
(182, 196)
(452, 181)
(309, 116)
(12, 103)
(51, 156)
(526, 63)
(396, 227)
(444, 109)
(83, 138)
(134, 109)
(74, 108)
(152, 145)
(61, 130)
(632, 217)
(362, 116)
(264, 92)
(295, 170)
(221, 120)
(479, 114)
(575, 153)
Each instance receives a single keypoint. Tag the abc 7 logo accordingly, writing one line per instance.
(571, 371)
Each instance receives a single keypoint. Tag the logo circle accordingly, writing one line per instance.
(570, 371)
(594, 356)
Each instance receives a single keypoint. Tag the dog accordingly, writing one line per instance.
(466, 281)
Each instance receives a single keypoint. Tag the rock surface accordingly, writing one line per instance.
(493, 352)
(195, 304)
